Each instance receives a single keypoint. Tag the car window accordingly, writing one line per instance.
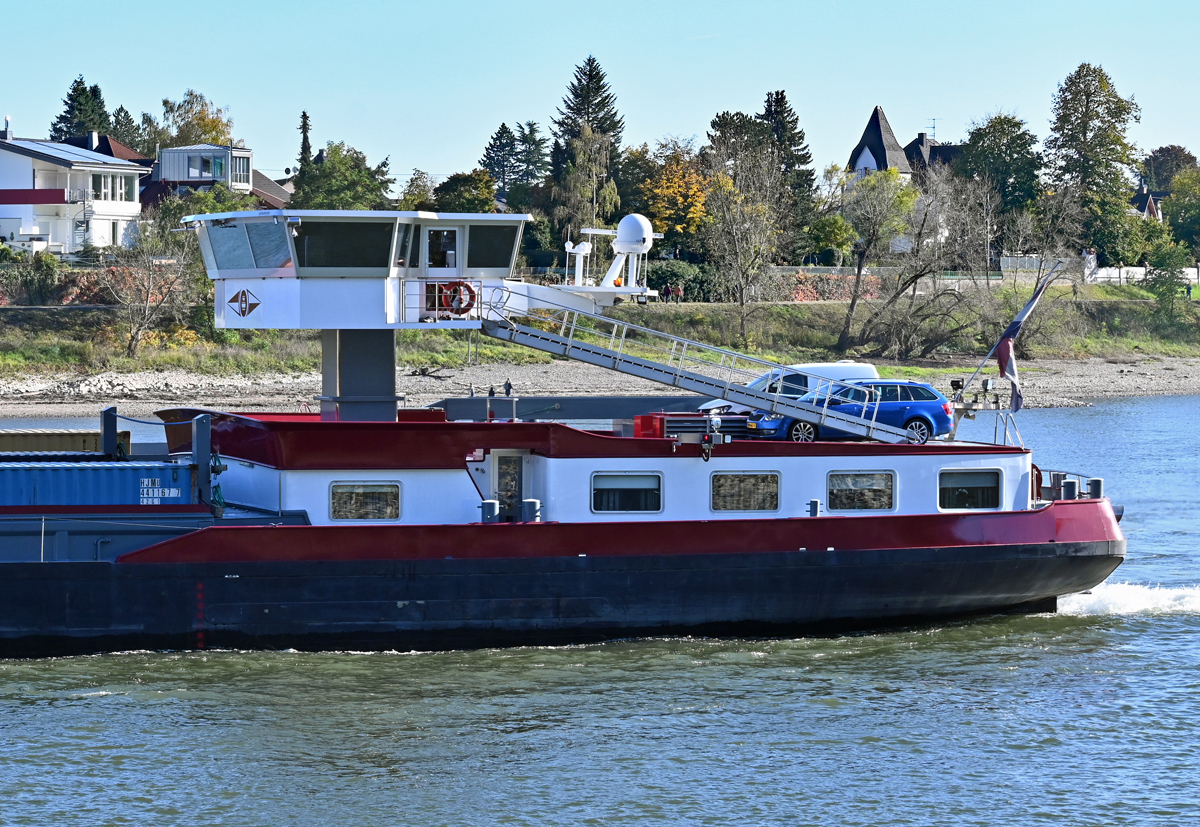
(923, 394)
(888, 393)
(794, 384)
(906, 394)
(852, 394)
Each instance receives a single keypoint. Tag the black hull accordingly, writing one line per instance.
(85, 607)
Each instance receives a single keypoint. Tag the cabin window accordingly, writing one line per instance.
(491, 246)
(343, 244)
(745, 492)
(402, 245)
(415, 254)
(969, 489)
(627, 492)
(855, 491)
(269, 243)
(364, 501)
(443, 248)
(230, 247)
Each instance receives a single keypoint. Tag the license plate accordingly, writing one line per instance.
(751, 424)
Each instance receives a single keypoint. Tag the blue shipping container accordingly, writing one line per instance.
(95, 483)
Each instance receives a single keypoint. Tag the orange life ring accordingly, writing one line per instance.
(461, 292)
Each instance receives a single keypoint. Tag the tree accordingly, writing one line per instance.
(152, 281)
(83, 112)
(532, 160)
(877, 207)
(343, 181)
(676, 191)
(467, 192)
(587, 195)
(1161, 165)
(418, 193)
(589, 102)
(500, 157)
(1089, 153)
(1165, 277)
(638, 166)
(1001, 152)
(124, 127)
(796, 162)
(305, 157)
(743, 228)
(192, 120)
(1182, 208)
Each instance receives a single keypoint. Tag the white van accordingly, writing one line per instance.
(795, 382)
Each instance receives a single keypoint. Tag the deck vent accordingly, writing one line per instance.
(531, 511)
(490, 510)
(1070, 489)
(1096, 488)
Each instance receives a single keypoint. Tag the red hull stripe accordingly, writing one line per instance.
(309, 444)
(1073, 522)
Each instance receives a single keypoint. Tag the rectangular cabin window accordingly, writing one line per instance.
(402, 245)
(627, 492)
(745, 492)
(491, 246)
(969, 489)
(343, 243)
(414, 257)
(364, 501)
(852, 491)
(230, 247)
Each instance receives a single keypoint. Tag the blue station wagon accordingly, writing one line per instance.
(914, 406)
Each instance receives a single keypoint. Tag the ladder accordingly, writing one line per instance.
(681, 363)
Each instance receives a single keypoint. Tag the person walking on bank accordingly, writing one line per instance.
(678, 293)
(666, 293)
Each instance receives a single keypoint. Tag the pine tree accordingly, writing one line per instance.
(305, 143)
(124, 127)
(798, 175)
(83, 112)
(589, 100)
(500, 157)
(532, 160)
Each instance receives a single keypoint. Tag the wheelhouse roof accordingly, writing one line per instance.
(367, 214)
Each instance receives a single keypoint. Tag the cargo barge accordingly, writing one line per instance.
(364, 526)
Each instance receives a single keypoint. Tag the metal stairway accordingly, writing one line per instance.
(681, 363)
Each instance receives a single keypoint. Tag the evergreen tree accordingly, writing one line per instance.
(589, 102)
(798, 176)
(532, 160)
(124, 127)
(500, 157)
(83, 112)
(305, 142)
(1161, 165)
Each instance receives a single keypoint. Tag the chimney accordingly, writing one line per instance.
(921, 136)
(6, 133)
(93, 140)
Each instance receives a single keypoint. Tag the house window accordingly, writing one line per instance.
(853, 491)
(218, 167)
(745, 492)
(131, 188)
(206, 166)
(193, 166)
(969, 489)
(364, 501)
(116, 233)
(240, 170)
(97, 186)
(627, 492)
(106, 187)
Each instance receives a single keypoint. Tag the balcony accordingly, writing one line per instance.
(39, 196)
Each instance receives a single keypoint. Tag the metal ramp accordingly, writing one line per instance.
(681, 363)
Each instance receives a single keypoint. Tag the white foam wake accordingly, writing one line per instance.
(1131, 598)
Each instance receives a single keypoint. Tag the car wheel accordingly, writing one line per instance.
(918, 431)
(802, 432)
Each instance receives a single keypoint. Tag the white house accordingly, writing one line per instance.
(55, 196)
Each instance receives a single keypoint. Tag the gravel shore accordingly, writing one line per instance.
(1046, 383)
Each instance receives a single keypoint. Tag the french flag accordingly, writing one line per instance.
(1004, 349)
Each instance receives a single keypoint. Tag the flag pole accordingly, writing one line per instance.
(982, 364)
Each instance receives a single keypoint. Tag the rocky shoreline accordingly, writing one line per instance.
(1046, 384)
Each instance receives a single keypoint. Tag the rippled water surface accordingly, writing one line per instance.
(1089, 717)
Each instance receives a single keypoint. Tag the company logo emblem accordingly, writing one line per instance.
(244, 302)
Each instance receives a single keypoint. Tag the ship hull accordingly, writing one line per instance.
(429, 591)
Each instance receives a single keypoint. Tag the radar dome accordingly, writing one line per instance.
(635, 234)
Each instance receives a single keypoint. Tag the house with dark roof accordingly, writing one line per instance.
(58, 196)
(878, 149)
(1147, 203)
(183, 169)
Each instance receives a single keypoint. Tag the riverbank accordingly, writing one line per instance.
(1046, 383)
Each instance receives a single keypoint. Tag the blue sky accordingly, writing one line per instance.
(427, 83)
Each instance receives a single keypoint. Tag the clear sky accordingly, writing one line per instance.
(427, 83)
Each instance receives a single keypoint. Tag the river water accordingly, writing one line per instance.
(1087, 717)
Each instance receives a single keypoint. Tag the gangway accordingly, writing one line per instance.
(682, 363)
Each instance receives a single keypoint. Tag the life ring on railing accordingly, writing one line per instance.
(1037, 483)
(458, 297)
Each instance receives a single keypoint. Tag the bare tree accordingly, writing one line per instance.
(746, 187)
(153, 281)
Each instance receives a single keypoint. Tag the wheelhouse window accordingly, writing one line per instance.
(627, 492)
(745, 492)
(343, 244)
(859, 491)
(364, 501)
(489, 246)
(969, 489)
